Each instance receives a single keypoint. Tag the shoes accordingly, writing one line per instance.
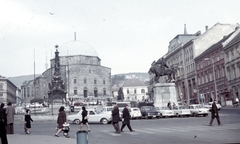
(132, 130)
(89, 130)
(67, 136)
(210, 125)
(56, 135)
(26, 132)
(219, 124)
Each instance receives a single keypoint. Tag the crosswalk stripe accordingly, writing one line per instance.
(143, 131)
(158, 130)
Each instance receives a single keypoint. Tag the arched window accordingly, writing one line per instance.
(142, 90)
(104, 82)
(85, 92)
(85, 80)
(75, 91)
(95, 81)
(104, 91)
(95, 92)
(75, 80)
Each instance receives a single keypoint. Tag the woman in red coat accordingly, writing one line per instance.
(61, 120)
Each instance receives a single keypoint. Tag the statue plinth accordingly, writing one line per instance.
(163, 93)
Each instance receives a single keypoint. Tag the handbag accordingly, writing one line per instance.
(85, 117)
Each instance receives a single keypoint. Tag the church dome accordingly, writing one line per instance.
(77, 48)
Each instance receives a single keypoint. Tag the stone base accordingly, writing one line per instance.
(163, 93)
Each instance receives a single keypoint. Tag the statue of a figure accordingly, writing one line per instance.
(162, 64)
(160, 68)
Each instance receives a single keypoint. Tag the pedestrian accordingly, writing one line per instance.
(61, 120)
(28, 120)
(84, 119)
(126, 119)
(215, 113)
(3, 134)
(115, 118)
(169, 105)
(10, 112)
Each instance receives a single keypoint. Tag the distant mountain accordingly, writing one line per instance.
(19, 80)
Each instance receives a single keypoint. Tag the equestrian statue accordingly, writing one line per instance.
(160, 68)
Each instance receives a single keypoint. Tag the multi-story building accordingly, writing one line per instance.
(81, 70)
(7, 91)
(231, 49)
(134, 89)
(212, 81)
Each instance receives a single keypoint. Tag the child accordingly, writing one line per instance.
(28, 120)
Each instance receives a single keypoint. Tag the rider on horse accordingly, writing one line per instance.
(162, 64)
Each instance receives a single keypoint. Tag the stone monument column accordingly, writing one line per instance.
(163, 93)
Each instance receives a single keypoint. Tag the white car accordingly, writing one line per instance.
(209, 106)
(197, 110)
(135, 113)
(107, 109)
(165, 111)
(181, 111)
(94, 116)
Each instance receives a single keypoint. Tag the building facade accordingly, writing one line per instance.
(81, 70)
(211, 77)
(231, 49)
(7, 91)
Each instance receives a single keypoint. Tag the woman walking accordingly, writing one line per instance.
(28, 120)
(84, 119)
(61, 120)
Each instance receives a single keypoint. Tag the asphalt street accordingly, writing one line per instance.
(165, 130)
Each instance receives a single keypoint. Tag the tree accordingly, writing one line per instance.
(120, 94)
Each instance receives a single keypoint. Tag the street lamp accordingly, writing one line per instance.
(185, 83)
(214, 78)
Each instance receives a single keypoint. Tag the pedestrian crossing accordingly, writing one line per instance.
(186, 129)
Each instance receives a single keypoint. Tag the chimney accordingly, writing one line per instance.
(206, 27)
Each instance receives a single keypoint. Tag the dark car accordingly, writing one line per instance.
(149, 112)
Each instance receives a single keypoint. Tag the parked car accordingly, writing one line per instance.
(107, 109)
(209, 106)
(181, 111)
(149, 112)
(197, 110)
(94, 116)
(165, 111)
(135, 113)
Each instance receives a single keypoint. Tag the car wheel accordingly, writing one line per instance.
(77, 121)
(177, 115)
(104, 121)
(204, 115)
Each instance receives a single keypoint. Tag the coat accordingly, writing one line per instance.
(3, 115)
(28, 120)
(10, 111)
(115, 114)
(84, 114)
(214, 110)
(126, 116)
(61, 119)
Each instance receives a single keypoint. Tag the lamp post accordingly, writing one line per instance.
(185, 83)
(214, 78)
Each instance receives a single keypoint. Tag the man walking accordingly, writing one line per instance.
(215, 113)
(126, 119)
(115, 118)
(10, 112)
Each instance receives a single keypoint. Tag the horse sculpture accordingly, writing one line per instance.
(170, 72)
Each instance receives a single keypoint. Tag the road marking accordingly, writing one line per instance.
(143, 131)
(158, 130)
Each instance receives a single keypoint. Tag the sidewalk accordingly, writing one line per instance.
(39, 139)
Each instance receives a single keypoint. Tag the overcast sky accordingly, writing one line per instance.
(127, 34)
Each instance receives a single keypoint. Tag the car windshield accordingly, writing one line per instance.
(97, 111)
(149, 108)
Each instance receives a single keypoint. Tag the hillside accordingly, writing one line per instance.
(18, 80)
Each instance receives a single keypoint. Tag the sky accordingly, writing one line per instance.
(128, 35)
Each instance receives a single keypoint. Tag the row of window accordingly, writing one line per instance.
(85, 81)
(135, 91)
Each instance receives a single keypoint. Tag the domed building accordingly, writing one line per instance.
(81, 70)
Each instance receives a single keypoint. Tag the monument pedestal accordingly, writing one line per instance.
(163, 93)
